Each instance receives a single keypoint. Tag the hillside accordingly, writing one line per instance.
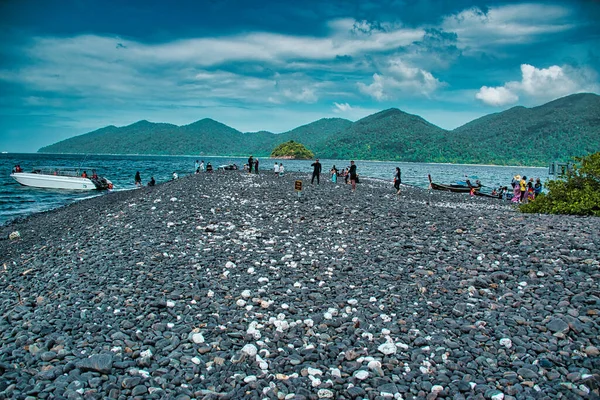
(558, 130)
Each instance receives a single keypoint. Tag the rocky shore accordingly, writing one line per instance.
(229, 286)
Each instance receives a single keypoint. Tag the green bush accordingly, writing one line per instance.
(577, 194)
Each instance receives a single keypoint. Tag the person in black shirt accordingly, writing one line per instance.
(250, 164)
(316, 171)
(152, 181)
(397, 180)
(353, 175)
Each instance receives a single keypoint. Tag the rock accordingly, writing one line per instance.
(557, 325)
(101, 363)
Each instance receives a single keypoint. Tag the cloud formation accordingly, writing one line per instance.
(542, 84)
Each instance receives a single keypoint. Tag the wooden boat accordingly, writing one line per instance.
(452, 188)
(491, 196)
(61, 178)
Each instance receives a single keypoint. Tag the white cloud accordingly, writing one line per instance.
(541, 84)
(341, 108)
(498, 96)
(400, 78)
(509, 24)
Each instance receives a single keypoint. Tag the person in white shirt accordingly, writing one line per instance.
(280, 169)
(276, 169)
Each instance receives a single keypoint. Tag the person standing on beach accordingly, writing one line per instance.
(523, 187)
(202, 166)
(256, 166)
(281, 169)
(276, 169)
(196, 166)
(353, 175)
(316, 171)
(334, 173)
(397, 180)
(250, 164)
(138, 179)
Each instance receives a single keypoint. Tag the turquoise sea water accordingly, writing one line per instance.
(18, 201)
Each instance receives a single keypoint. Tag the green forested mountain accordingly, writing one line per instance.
(555, 131)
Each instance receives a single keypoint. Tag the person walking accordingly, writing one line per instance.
(316, 171)
(276, 169)
(281, 169)
(397, 180)
(353, 175)
(138, 179)
(256, 166)
(250, 164)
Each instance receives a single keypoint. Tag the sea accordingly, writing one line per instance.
(18, 201)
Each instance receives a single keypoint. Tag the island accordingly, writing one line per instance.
(293, 151)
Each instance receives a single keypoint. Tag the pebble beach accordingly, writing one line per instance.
(230, 286)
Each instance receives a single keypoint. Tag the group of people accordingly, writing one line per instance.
(524, 190)
(252, 164)
(278, 169)
(348, 173)
(151, 182)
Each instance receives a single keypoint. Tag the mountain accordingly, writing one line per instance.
(563, 128)
(556, 131)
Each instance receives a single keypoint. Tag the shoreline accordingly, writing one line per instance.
(231, 286)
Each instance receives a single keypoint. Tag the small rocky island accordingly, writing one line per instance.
(293, 151)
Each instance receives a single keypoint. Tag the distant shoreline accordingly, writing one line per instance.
(278, 158)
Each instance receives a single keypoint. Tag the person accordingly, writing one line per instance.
(175, 176)
(202, 166)
(537, 188)
(334, 173)
(276, 169)
(494, 192)
(346, 175)
(196, 165)
(138, 179)
(152, 181)
(516, 189)
(256, 165)
(316, 171)
(84, 175)
(94, 176)
(209, 167)
(523, 187)
(397, 180)
(280, 169)
(18, 168)
(250, 164)
(353, 175)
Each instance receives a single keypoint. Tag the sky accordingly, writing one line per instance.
(73, 66)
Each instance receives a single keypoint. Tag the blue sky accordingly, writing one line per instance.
(72, 66)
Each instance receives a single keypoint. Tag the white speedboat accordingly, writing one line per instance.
(61, 178)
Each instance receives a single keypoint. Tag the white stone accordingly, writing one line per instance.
(210, 293)
(263, 280)
(374, 364)
(250, 349)
(251, 270)
(361, 375)
(196, 360)
(353, 302)
(197, 338)
(173, 199)
(437, 388)
(387, 348)
(335, 372)
(146, 353)
(325, 394)
(170, 303)
(250, 378)
(327, 315)
(498, 396)
(240, 303)
(170, 325)
(246, 294)
(229, 264)
(506, 343)
(314, 371)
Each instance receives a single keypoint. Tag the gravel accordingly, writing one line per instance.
(229, 285)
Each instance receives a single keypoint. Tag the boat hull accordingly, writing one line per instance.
(454, 189)
(53, 181)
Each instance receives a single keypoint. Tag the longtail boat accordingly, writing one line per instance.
(452, 188)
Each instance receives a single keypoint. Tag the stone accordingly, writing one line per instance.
(101, 363)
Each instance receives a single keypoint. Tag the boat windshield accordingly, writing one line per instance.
(58, 171)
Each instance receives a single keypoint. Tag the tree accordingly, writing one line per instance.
(577, 194)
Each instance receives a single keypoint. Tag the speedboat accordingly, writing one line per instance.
(61, 178)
